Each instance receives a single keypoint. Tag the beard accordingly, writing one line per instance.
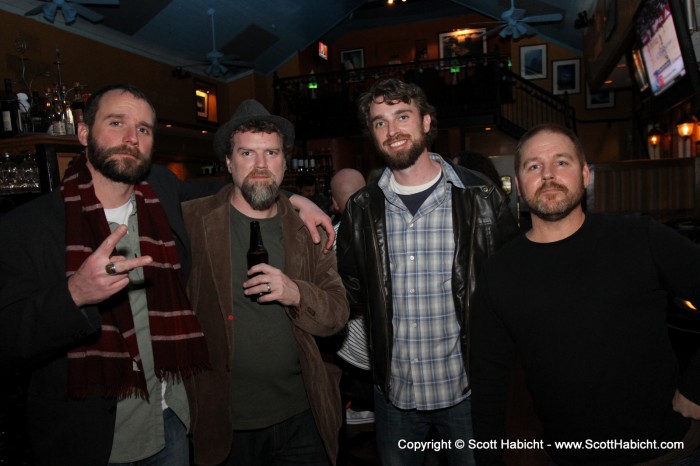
(402, 159)
(553, 211)
(261, 195)
(121, 170)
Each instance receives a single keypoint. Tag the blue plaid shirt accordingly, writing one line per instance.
(427, 371)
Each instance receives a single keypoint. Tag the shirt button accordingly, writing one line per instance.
(411, 290)
(412, 257)
(414, 325)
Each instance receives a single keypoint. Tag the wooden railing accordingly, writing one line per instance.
(465, 91)
(525, 105)
(665, 189)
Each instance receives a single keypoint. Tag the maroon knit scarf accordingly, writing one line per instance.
(106, 366)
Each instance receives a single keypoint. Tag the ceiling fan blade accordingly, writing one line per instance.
(506, 31)
(238, 63)
(520, 30)
(516, 13)
(550, 18)
(86, 13)
(96, 2)
(493, 31)
(525, 29)
(216, 70)
(70, 13)
(49, 12)
(516, 32)
(35, 11)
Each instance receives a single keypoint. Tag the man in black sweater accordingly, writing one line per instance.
(581, 300)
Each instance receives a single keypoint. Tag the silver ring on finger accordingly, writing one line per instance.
(111, 268)
(269, 288)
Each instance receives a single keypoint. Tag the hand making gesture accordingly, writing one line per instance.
(102, 275)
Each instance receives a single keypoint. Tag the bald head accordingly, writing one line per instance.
(344, 184)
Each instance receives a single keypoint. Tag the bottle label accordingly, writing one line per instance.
(6, 121)
(70, 125)
(59, 128)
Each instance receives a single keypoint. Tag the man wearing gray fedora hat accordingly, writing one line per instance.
(268, 398)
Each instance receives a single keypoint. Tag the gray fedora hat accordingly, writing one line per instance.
(249, 110)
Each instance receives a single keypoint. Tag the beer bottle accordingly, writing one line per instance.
(257, 254)
(10, 112)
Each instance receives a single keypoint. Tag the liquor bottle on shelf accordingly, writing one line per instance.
(58, 115)
(77, 105)
(38, 113)
(25, 121)
(68, 112)
(10, 112)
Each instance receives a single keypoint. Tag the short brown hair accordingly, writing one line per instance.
(548, 128)
(93, 103)
(393, 91)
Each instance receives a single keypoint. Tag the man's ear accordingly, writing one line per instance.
(83, 132)
(586, 175)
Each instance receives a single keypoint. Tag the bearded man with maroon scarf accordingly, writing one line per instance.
(92, 301)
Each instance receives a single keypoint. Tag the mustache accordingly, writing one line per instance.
(550, 185)
(123, 150)
(396, 137)
(260, 172)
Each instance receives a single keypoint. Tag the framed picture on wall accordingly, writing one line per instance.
(353, 60)
(462, 43)
(599, 99)
(566, 78)
(202, 103)
(533, 61)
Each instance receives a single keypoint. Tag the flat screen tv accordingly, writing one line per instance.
(638, 69)
(666, 51)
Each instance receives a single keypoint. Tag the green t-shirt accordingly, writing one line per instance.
(267, 386)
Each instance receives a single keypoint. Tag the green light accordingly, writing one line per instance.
(454, 69)
(313, 85)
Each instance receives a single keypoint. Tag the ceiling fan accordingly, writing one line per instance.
(70, 9)
(218, 64)
(515, 24)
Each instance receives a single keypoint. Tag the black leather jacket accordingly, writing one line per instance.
(482, 223)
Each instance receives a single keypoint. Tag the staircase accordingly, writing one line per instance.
(467, 92)
(523, 105)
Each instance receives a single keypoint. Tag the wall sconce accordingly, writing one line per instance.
(686, 126)
(655, 135)
(654, 138)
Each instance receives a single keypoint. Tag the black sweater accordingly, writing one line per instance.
(586, 316)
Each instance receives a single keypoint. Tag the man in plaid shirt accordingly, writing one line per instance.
(409, 247)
